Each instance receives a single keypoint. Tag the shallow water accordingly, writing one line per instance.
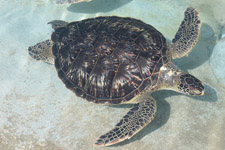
(38, 112)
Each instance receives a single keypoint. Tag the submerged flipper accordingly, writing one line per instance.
(42, 51)
(187, 34)
(57, 24)
(135, 120)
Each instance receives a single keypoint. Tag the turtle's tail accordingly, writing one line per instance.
(42, 51)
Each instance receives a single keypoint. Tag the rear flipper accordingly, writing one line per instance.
(135, 120)
(58, 24)
(42, 51)
(187, 34)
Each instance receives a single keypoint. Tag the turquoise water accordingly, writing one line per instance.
(38, 112)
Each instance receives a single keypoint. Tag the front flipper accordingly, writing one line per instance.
(187, 34)
(136, 119)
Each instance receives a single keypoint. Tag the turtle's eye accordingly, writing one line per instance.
(190, 85)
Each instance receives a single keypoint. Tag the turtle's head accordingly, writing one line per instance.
(190, 85)
(42, 51)
(173, 78)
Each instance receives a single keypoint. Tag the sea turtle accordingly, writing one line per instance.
(116, 60)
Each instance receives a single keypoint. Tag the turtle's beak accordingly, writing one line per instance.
(200, 90)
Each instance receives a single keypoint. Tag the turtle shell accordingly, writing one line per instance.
(109, 59)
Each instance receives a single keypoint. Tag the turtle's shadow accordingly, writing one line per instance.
(201, 52)
(163, 111)
(97, 6)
